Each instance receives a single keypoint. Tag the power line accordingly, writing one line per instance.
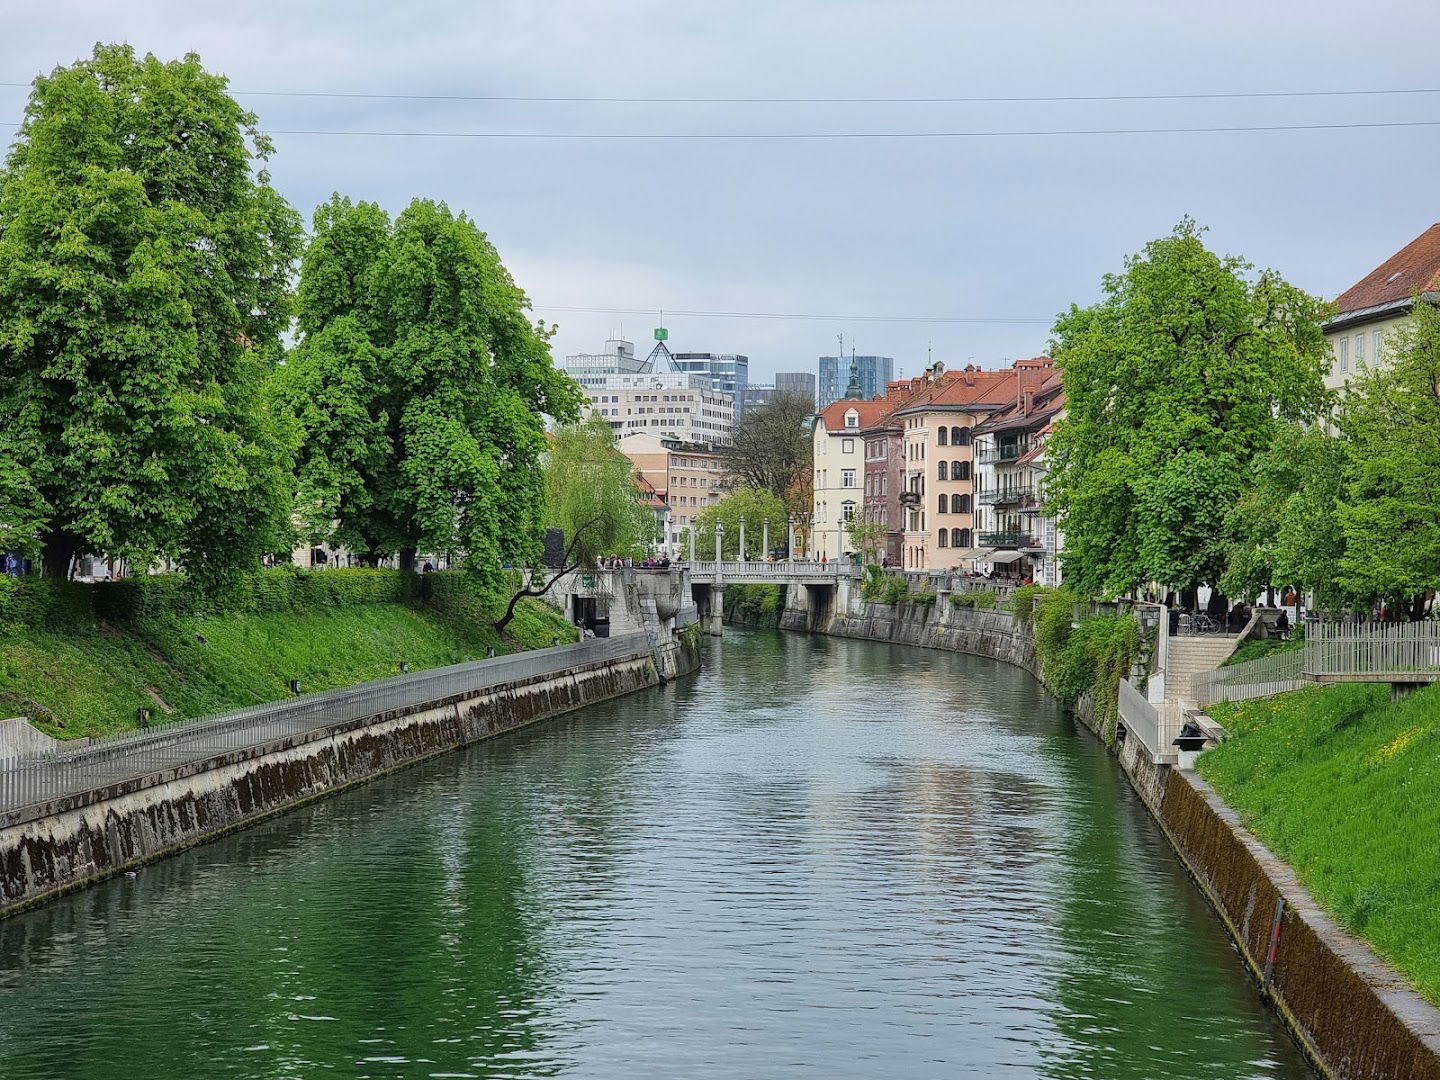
(814, 136)
(996, 320)
(1223, 95)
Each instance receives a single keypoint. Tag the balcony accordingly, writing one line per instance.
(999, 455)
(1008, 497)
(1021, 541)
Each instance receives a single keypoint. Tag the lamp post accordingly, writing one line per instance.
(742, 538)
(719, 537)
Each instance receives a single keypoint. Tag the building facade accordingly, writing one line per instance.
(875, 374)
(1378, 303)
(1015, 538)
(686, 476)
(728, 372)
(839, 471)
(796, 382)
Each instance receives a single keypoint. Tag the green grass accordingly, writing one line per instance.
(1345, 786)
(89, 680)
(1254, 649)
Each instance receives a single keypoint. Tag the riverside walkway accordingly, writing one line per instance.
(41, 778)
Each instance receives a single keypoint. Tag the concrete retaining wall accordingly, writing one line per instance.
(1355, 1015)
(50, 848)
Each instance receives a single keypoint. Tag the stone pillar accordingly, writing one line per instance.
(741, 551)
(765, 539)
(790, 537)
(692, 542)
(715, 625)
(719, 536)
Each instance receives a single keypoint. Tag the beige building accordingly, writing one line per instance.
(686, 476)
(839, 472)
(1377, 303)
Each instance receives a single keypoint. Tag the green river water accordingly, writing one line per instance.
(818, 858)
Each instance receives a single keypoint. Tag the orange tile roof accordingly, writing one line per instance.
(1414, 268)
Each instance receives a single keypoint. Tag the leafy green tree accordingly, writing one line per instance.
(144, 266)
(755, 506)
(1173, 383)
(1285, 530)
(866, 537)
(422, 387)
(1391, 518)
(592, 497)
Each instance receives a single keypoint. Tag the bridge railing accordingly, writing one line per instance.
(753, 568)
(1337, 649)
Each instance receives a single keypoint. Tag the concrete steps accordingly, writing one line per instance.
(1190, 655)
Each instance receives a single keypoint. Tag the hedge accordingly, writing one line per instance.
(49, 603)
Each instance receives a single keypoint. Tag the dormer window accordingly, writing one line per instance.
(852, 419)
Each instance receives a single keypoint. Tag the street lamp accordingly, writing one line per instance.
(765, 539)
(742, 538)
(719, 538)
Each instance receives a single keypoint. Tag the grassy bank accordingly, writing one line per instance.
(1345, 786)
(80, 660)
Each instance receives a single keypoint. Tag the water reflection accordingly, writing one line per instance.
(818, 858)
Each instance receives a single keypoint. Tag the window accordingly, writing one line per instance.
(942, 443)
(1378, 338)
(962, 538)
(944, 535)
(944, 504)
(847, 477)
(847, 446)
(962, 504)
(1359, 350)
(1342, 354)
(959, 470)
(959, 436)
(852, 419)
(942, 472)
(847, 511)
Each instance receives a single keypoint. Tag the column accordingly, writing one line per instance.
(765, 539)
(692, 543)
(741, 552)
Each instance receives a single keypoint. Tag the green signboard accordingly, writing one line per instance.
(661, 333)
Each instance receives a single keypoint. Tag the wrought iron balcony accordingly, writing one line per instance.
(998, 455)
(1008, 497)
(1023, 541)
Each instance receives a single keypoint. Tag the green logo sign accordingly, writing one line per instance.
(661, 333)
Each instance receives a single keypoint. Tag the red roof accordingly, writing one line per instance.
(1414, 268)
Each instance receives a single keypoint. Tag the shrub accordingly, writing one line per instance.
(45, 603)
(1023, 601)
(981, 600)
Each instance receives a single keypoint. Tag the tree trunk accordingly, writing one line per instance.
(1417, 607)
(407, 560)
(57, 552)
(515, 600)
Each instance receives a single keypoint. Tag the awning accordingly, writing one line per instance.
(1006, 557)
(966, 553)
(980, 553)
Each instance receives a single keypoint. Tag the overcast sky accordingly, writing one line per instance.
(978, 228)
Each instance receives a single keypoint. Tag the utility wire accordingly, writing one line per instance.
(997, 320)
(973, 100)
(849, 135)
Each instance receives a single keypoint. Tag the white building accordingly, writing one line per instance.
(668, 404)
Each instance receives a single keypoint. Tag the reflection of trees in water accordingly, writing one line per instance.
(1148, 984)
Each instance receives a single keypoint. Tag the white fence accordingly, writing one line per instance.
(1145, 722)
(1273, 674)
(1337, 649)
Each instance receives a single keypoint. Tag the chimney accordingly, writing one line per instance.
(1027, 406)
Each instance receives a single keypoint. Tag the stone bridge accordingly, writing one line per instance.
(637, 599)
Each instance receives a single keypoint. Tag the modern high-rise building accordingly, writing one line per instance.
(874, 372)
(642, 395)
(796, 382)
(726, 371)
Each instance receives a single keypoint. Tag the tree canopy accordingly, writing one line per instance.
(755, 506)
(771, 447)
(1391, 517)
(593, 498)
(144, 266)
(421, 386)
(1173, 383)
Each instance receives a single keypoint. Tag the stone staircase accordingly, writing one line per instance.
(1190, 654)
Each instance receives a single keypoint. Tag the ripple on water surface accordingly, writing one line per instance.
(818, 858)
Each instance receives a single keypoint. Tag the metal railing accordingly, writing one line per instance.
(1335, 649)
(1004, 496)
(1008, 540)
(998, 455)
(788, 569)
(1277, 673)
(55, 774)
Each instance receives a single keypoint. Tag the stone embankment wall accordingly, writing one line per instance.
(50, 848)
(1354, 1014)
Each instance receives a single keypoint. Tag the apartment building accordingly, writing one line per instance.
(686, 476)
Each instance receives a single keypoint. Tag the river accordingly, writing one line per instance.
(818, 858)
